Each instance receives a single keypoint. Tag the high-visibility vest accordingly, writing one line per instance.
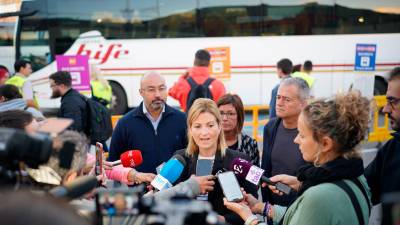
(19, 81)
(309, 79)
(100, 91)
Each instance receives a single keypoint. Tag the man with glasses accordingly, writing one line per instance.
(383, 173)
(280, 154)
(154, 128)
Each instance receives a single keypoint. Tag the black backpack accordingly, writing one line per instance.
(198, 91)
(99, 125)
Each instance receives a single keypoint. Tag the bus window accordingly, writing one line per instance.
(330, 17)
(34, 35)
(177, 19)
(229, 18)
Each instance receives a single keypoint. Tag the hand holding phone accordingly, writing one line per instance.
(230, 186)
(99, 159)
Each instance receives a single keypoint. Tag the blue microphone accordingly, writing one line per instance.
(170, 173)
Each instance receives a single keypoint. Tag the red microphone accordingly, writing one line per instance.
(131, 158)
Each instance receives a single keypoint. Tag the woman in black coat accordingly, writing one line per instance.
(207, 142)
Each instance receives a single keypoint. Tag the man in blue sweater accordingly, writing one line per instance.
(154, 128)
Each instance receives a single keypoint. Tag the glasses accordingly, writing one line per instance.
(228, 114)
(392, 101)
(153, 90)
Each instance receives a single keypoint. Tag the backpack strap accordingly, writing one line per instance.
(208, 81)
(191, 82)
(345, 187)
(364, 192)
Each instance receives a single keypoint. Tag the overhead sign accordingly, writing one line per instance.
(78, 67)
(220, 62)
(365, 57)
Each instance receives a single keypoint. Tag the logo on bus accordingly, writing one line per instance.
(102, 52)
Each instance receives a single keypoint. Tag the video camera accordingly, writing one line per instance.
(128, 206)
(18, 147)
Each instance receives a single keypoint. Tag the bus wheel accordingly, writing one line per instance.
(119, 103)
(380, 86)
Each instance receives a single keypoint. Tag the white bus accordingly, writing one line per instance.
(128, 38)
(8, 23)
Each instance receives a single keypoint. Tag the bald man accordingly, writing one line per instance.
(154, 128)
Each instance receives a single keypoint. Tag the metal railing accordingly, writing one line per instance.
(379, 133)
(376, 134)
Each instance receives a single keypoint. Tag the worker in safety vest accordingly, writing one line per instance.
(23, 69)
(305, 75)
(101, 89)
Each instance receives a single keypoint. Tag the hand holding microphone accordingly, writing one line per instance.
(170, 173)
(291, 181)
(255, 175)
(139, 177)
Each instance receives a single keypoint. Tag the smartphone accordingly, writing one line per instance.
(204, 167)
(98, 170)
(230, 186)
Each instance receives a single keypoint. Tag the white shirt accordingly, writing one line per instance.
(153, 121)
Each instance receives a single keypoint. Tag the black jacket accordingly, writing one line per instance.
(135, 131)
(383, 173)
(73, 106)
(269, 136)
(216, 196)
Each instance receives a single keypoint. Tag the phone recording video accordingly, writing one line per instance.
(230, 186)
(99, 159)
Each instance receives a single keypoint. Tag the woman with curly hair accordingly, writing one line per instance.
(331, 188)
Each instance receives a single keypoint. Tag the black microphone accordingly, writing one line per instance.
(244, 169)
(76, 188)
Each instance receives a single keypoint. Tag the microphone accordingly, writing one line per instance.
(170, 172)
(131, 158)
(244, 169)
(76, 188)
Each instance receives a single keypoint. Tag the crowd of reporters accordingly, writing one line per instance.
(330, 188)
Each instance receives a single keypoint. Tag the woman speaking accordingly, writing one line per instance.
(206, 142)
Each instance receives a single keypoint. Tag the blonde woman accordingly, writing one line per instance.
(331, 188)
(207, 142)
(101, 89)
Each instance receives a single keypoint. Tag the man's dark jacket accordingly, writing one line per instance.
(216, 196)
(73, 106)
(135, 131)
(269, 136)
(383, 173)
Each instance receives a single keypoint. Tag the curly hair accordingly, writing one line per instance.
(344, 119)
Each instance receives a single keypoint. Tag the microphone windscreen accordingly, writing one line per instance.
(240, 167)
(131, 158)
(172, 170)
